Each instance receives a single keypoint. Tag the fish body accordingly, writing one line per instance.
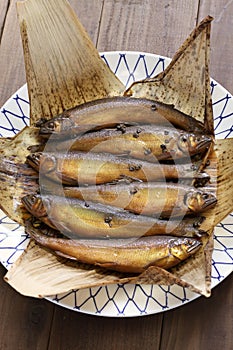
(75, 218)
(153, 199)
(125, 255)
(147, 142)
(111, 112)
(78, 168)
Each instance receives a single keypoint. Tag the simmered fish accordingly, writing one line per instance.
(79, 168)
(112, 112)
(77, 218)
(153, 199)
(147, 142)
(125, 255)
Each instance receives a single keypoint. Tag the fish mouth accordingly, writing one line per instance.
(34, 205)
(34, 160)
(210, 200)
(29, 201)
(193, 246)
(201, 179)
(45, 131)
(200, 201)
(48, 127)
(56, 126)
(204, 143)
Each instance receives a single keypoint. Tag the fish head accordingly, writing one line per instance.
(199, 200)
(194, 143)
(183, 247)
(42, 163)
(56, 125)
(34, 204)
(201, 179)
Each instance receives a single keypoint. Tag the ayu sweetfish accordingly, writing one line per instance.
(75, 218)
(147, 142)
(79, 168)
(125, 255)
(110, 112)
(153, 199)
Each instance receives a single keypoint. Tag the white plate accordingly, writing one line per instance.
(124, 300)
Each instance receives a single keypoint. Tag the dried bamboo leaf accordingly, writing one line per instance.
(16, 178)
(4, 141)
(39, 273)
(196, 272)
(63, 68)
(185, 83)
(224, 152)
(156, 275)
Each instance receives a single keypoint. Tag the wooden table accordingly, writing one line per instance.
(153, 26)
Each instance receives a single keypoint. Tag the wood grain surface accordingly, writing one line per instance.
(152, 26)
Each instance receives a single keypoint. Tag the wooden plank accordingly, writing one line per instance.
(25, 322)
(11, 56)
(3, 12)
(202, 324)
(89, 14)
(221, 68)
(146, 25)
(85, 332)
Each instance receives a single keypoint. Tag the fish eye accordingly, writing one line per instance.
(183, 143)
(183, 138)
(51, 125)
(33, 199)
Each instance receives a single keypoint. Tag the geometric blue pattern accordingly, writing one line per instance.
(140, 65)
(15, 120)
(123, 300)
(138, 299)
(13, 241)
(223, 251)
(223, 113)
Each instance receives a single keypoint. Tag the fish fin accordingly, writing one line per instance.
(107, 265)
(224, 206)
(67, 180)
(63, 255)
(129, 179)
(123, 154)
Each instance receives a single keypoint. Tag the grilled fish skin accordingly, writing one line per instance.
(153, 199)
(77, 168)
(110, 112)
(76, 218)
(147, 142)
(133, 255)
